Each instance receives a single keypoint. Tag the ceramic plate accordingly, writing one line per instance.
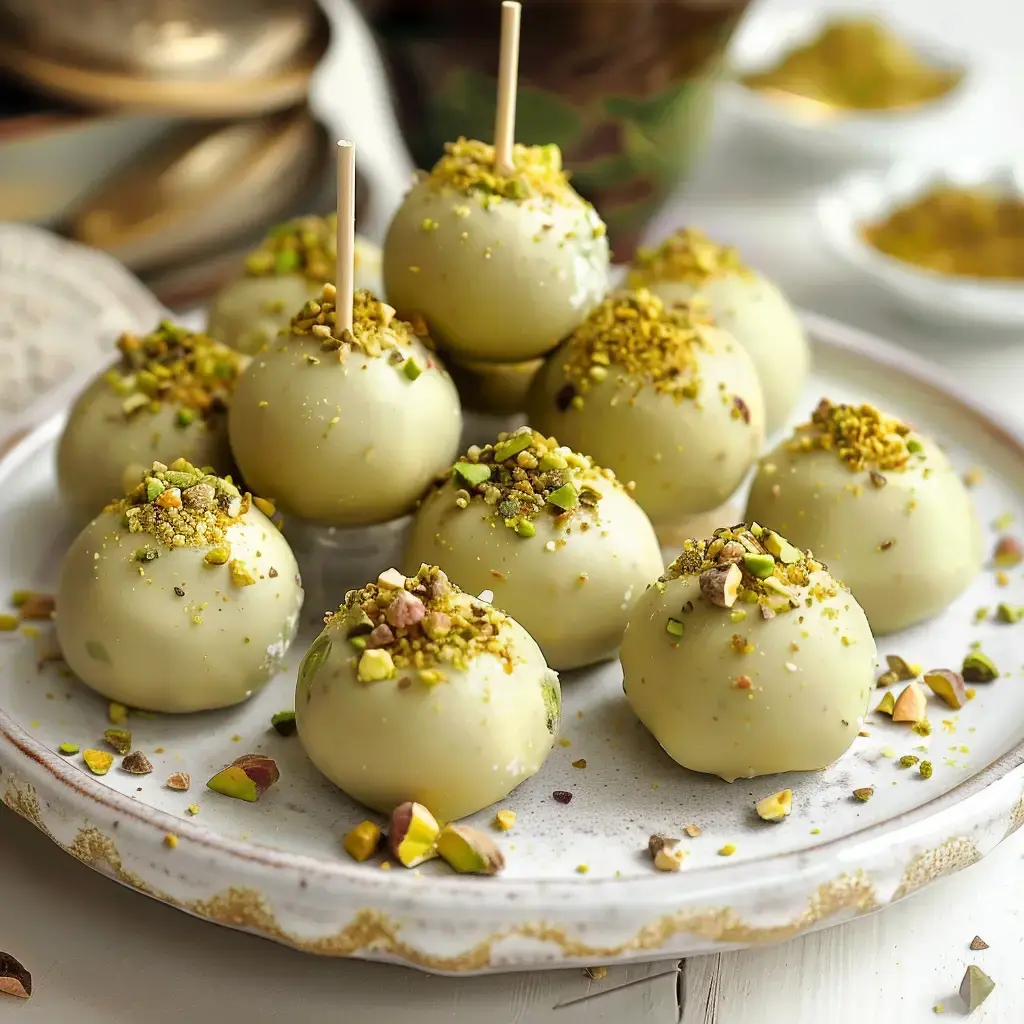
(276, 868)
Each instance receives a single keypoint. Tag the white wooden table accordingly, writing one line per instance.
(100, 953)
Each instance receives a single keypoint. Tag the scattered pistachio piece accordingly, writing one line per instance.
(667, 853)
(721, 584)
(775, 807)
(179, 781)
(565, 497)
(976, 987)
(978, 943)
(910, 705)
(119, 739)
(411, 369)
(98, 761)
(9, 623)
(217, 556)
(887, 704)
(903, 669)
(136, 763)
(864, 794)
(117, 713)
(595, 973)
(170, 841)
(760, 566)
(240, 574)
(468, 851)
(14, 979)
(1009, 551)
(504, 820)
(979, 668)
(674, 627)
(68, 749)
(363, 841)
(887, 679)
(908, 760)
(728, 850)
(471, 474)
(375, 666)
(246, 778)
(925, 769)
(413, 834)
(284, 722)
(692, 831)
(948, 685)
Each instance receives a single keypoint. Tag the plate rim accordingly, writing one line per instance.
(392, 893)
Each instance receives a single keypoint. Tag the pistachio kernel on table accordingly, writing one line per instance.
(179, 781)
(686, 255)
(136, 763)
(910, 705)
(412, 834)
(118, 739)
(363, 841)
(305, 245)
(422, 622)
(246, 778)
(975, 988)
(469, 851)
(775, 807)
(15, 980)
(979, 668)
(98, 761)
(860, 436)
(666, 853)
(174, 365)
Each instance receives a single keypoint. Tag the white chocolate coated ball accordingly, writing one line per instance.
(502, 281)
(132, 638)
(684, 455)
(924, 510)
(803, 708)
(756, 313)
(571, 585)
(102, 454)
(347, 443)
(455, 747)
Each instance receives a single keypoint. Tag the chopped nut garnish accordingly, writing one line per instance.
(925, 769)
(976, 987)
(728, 850)
(978, 943)
(948, 685)
(504, 820)
(686, 255)
(98, 761)
(179, 781)
(469, 851)
(775, 807)
(363, 841)
(246, 778)
(595, 973)
(692, 831)
(910, 705)
(562, 796)
(864, 794)
(903, 670)
(412, 834)
(979, 668)
(117, 713)
(14, 979)
(68, 749)
(668, 854)
(137, 763)
(908, 761)
(170, 840)
(861, 437)
(306, 245)
(284, 723)
(1009, 551)
(119, 739)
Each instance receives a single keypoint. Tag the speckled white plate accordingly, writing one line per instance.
(276, 868)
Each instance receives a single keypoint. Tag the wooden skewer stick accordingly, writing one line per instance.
(346, 237)
(508, 76)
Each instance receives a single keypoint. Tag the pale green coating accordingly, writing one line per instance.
(101, 454)
(844, 519)
(573, 600)
(526, 273)
(800, 718)
(756, 313)
(455, 747)
(684, 455)
(126, 634)
(249, 312)
(347, 443)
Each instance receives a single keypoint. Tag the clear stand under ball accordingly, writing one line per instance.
(334, 560)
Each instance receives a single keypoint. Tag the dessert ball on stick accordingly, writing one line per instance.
(494, 248)
(167, 396)
(417, 691)
(349, 431)
(291, 265)
(183, 596)
(741, 301)
(558, 540)
(748, 658)
(881, 504)
(659, 395)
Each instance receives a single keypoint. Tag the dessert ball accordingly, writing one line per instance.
(345, 432)
(166, 397)
(501, 268)
(742, 302)
(559, 542)
(881, 504)
(183, 596)
(417, 691)
(289, 268)
(659, 395)
(748, 658)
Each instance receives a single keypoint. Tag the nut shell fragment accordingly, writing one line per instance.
(14, 979)
(412, 834)
(948, 685)
(247, 778)
(910, 705)
(468, 851)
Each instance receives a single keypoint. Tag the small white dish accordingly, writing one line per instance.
(762, 40)
(866, 196)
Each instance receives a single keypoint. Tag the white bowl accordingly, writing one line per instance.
(764, 39)
(868, 196)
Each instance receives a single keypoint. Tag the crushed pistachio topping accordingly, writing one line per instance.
(524, 475)
(755, 566)
(173, 365)
(686, 255)
(468, 167)
(375, 327)
(422, 623)
(306, 245)
(648, 342)
(860, 435)
(181, 506)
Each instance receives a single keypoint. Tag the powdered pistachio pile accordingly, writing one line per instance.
(375, 327)
(636, 333)
(468, 166)
(525, 474)
(860, 436)
(182, 506)
(172, 364)
(687, 255)
(423, 623)
(751, 565)
(305, 245)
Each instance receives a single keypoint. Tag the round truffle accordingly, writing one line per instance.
(289, 268)
(660, 396)
(881, 504)
(559, 542)
(166, 397)
(748, 658)
(750, 307)
(417, 691)
(183, 596)
(345, 432)
(501, 268)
